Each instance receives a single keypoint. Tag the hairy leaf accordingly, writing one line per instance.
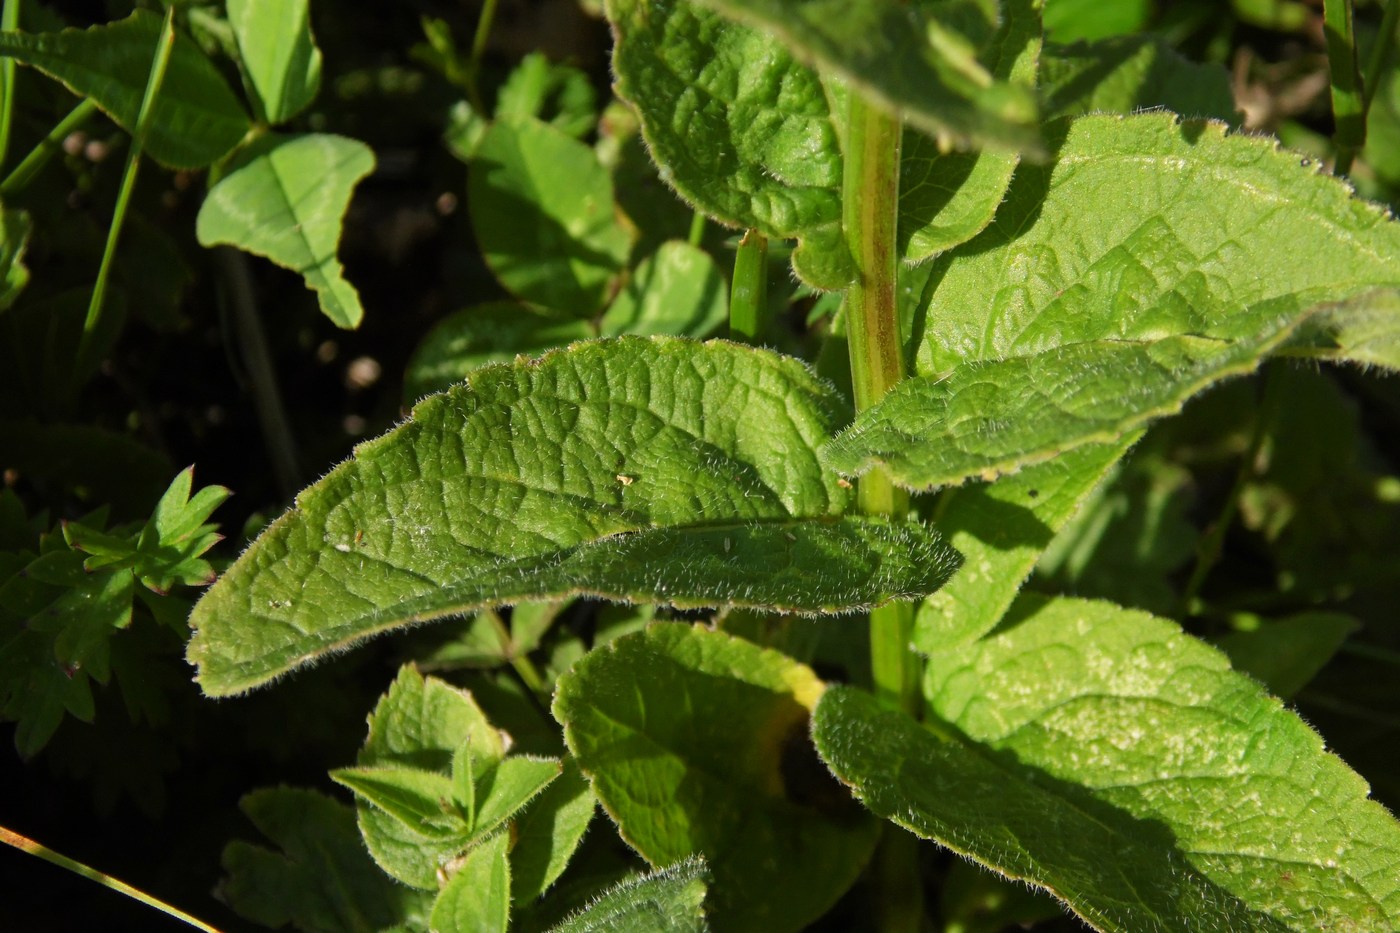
(477, 897)
(542, 210)
(284, 198)
(422, 801)
(1186, 276)
(1129, 74)
(696, 742)
(197, 119)
(549, 832)
(1123, 766)
(907, 57)
(667, 901)
(656, 470)
(280, 58)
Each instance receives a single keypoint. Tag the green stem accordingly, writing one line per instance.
(483, 32)
(870, 194)
(164, 45)
(27, 845)
(697, 229)
(748, 291)
(1380, 52)
(39, 156)
(1348, 99)
(529, 674)
(9, 20)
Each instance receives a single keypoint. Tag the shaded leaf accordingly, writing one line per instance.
(677, 291)
(656, 470)
(668, 901)
(1285, 654)
(549, 832)
(285, 198)
(694, 741)
(1129, 74)
(559, 95)
(14, 238)
(197, 119)
(476, 899)
(280, 58)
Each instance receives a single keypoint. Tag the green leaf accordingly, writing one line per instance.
(476, 899)
(284, 198)
(948, 198)
(197, 119)
(1067, 20)
(495, 332)
(503, 790)
(549, 832)
(421, 800)
(1365, 333)
(280, 58)
(421, 723)
(1001, 529)
(667, 901)
(1186, 276)
(908, 58)
(1225, 813)
(657, 470)
(696, 742)
(542, 209)
(1286, 654)
(559, 95)
(321, 880)
(36, 690)
(739, 128)
(14, 239)
(677, 291)
(1130, 74)
(176, 535)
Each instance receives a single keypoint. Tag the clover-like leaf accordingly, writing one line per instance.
(1187, 276)
(696, 742)
(1109, 758)
(197, 120)
(655, 470)
(284, 198)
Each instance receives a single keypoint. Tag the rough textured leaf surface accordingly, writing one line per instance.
(668, 901)
(1128, 74)
(694, 741)
(197, 119)
(284, 199)
(1124, 766)
(908, 57)
(1188, 274)
(656, 470)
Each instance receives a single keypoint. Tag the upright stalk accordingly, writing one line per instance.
(1348, 98)
(9, 19)
(748, 292)
(39, 156)
(870, 195)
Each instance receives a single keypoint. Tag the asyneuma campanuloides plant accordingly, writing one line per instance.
(1033, 273)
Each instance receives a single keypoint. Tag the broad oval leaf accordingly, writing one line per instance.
(654, 470)
(280, 58)
(284, 198)
(694, 742)
(1121, 764)
(197, 119)
(907, 56)
(667, 901)
(542, 210)
(1185, 276)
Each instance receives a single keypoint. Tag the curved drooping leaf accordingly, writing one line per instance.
(655, 470)
(1122, 765)
(197, 119)
(495, 332)
(542, 209)
(947, 198)
(1128, 74)
(906, 56)
(677, 291)
(668, 901)
(284, 199)
(739, 128)
(1001, 529)
(1185, 276)
(695, 742)
(280, 58)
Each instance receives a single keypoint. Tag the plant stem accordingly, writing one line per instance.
(27, 845)
(164, 45)
(748, 291)
(529, 674)
(1380, 52)
(39, 156)
(697, 229)
(870, 196)
(1348, 99)
(483, 32)
(9, 20)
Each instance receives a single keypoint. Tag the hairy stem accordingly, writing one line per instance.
(164, 45)
(1348, 100)
(25, 844)
(870, 197)
(748, 291)
(39, 156)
